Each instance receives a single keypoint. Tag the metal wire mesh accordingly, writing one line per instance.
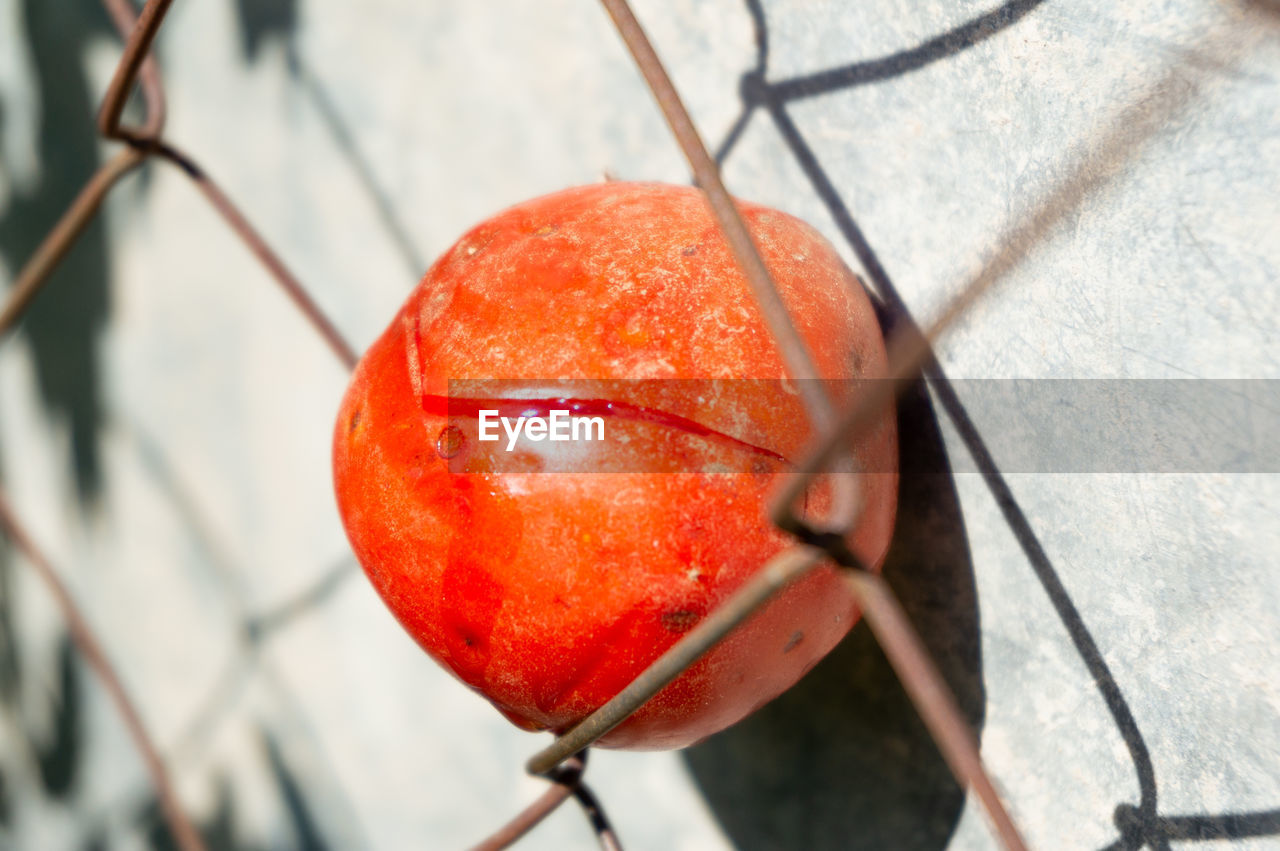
(910, 356)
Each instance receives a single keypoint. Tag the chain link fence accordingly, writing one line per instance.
(1059, 183)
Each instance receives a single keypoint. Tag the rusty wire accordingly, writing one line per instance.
(527, 819)
(911, 350)
(566, 780)
(136, 66)
(562, 762)
(706, 174)
(777, 573)
(931, 697)
(55, 246)
(91, 649)
(270, 260)
(903, 646)
(791, 346)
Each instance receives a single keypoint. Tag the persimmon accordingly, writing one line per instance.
(547, 589)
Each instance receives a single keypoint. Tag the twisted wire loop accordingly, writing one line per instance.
(138, 67)
(566, 780)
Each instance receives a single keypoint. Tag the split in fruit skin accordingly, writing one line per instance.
(550, 593)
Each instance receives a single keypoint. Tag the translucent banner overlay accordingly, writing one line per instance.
(758, 426)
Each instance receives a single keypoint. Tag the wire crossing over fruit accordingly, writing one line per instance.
(547, 575)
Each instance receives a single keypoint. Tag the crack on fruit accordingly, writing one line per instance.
(355, 420)
(794, 641)
(452, 406)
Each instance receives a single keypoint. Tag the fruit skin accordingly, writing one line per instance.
(548, 593)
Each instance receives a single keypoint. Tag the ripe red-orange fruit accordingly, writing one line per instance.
(547, 592)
